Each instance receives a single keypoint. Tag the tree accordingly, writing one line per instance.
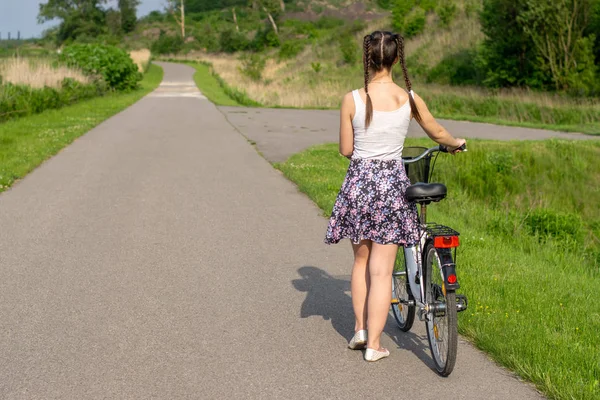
(177, 9)
(272, 7)
(128, 9)
(78, 18)
(63, 9)
(594, 28)
(556, 29)
(507, 54)
(197, 6)
(114, 21)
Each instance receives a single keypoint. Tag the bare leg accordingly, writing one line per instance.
(381, 265)
(360, 283)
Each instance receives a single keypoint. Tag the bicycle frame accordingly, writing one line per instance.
(413, 259)
(427, 284)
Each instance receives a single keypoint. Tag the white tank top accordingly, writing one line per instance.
(384, 139)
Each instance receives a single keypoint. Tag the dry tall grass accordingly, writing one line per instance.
(141, 58)
(296, 84)
(317, 78)
(37, 72)
(433, 45)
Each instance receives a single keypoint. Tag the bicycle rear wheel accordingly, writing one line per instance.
(441, 323)
(404, 314)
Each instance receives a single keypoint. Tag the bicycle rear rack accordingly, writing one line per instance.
(436, 230)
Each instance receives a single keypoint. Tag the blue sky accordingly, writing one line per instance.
(21, 15)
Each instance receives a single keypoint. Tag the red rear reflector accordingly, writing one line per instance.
(445, 242)
(452, 279)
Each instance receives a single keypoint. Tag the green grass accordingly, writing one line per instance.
(210, 86)
(215, 88)
(495, 110)
(27, 142)
(529, 259)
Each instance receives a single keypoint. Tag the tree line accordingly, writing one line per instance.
(89, 18)
(544, 44)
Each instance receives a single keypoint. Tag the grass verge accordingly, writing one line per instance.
(529, 256)
(215, 88)
(210, 86)
(27, 142)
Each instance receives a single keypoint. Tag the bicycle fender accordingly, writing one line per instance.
(448, 269)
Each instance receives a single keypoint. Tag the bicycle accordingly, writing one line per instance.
(430, 261)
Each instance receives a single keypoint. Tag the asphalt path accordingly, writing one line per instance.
(279, 133)
(160, 256)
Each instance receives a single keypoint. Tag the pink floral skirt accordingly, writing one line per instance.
(372, 205)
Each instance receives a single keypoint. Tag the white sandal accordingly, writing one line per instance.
(375, 355)
(358, 341)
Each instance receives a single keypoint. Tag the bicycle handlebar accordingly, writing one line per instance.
(440, 148)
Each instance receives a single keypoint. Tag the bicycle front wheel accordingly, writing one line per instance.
(441, 322)
(404, 314)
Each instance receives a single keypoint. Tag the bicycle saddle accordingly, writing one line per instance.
(426, 192)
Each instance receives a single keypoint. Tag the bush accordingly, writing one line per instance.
(457, 69)
(400, 10)
(329, 23)
(348, 43)
(428, 5)
(19, 100)
(232, 41)
(253, 66)
(114, 65)
(415, 22)
(265, 38)
(446, 12)
(349, 49)
(167, 44)
(207, 38)
(290, 49)
(385, 4)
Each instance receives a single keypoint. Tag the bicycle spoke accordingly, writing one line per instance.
(440, 332)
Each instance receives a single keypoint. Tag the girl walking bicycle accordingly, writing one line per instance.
(371, 208)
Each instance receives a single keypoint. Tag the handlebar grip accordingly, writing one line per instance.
(444, 149)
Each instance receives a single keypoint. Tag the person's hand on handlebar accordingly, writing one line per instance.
(461, 146)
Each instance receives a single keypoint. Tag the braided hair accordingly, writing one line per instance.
(367, 61)
(413, 106)
(381, 51)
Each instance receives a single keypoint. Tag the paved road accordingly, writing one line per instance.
(280, 133)
(159, 256)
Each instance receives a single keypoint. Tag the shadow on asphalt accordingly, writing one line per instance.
(328, 296)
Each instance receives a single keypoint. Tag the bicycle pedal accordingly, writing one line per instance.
(461, 302)
(395, 301)
(423, 315)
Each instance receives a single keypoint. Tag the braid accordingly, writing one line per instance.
(367, 65)
(400, 46)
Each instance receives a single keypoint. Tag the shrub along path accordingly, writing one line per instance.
(160, 256)
(279, 133)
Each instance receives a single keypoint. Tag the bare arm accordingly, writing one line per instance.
(346, 131)
(434, 130)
